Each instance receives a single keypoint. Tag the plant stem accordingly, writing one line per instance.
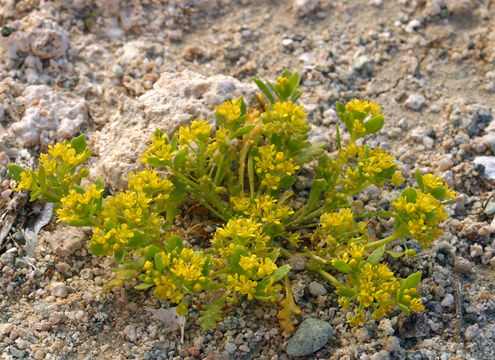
(377, 213)
(383, 241)
(251, 176)
(332, 280)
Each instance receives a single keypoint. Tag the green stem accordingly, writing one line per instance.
(383, 241)
(377, 213)
(332, 280)
(242, 162)
(251, 176)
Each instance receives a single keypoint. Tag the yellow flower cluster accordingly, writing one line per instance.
(242, 233)
(340, 221)
(242, 285)
(198, 131)
(431, 182)
(256, 267)
(76, 206)
(271, 165)
(376, 163)
(422, 216)
(363, 106)
(230, 110)
(114, 239)
(149, 183)
(285, 119)
(159, 148)
(265, 208)
(339, 228)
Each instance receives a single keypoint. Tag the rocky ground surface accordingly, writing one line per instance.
(117, 69)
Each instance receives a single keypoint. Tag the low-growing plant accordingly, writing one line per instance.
(242, 168)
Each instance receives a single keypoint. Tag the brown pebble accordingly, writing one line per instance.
(462, 265)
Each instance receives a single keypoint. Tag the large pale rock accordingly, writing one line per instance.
(65, 240)
(49, 116)
(175, 100)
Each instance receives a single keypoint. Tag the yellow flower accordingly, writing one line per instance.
(26, 181)
(416, 305)
(159, 148)
(363, 106)
(198, 131)
(230, 110)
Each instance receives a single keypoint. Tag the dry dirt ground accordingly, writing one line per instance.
(429, 63)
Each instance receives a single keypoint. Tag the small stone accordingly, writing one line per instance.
(21, 263)
(297, 263)
(312, 335)
(445, 163)
(62, 267)
(55, 318)
(448, 301)
(7, 258)
(39, 354)
(287, 42)
(304, 7)
(130, 332)
(230, 348)
(217, 357)
(86, 274)
(59, 290)
(244, 348)
(118, 71)
(392, 344)
(6, 328)
(316, 289)
(489, 140)
(460, 7)
(15, 352)
(472, 332)
(415, 102)
(462, 265)
(485, 116)
(428, 142)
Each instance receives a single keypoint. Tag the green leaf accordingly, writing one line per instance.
(412, 281)
(35, 195)
(180, 157)
(119, 255)
(296, 95)
(293, 82)
(286, 73)
(15, 171)
(345, 291)
(309, 153)
(154, 161)
(109, 225)
(340, 107)
(79, 144)
(79, 189)
(159, 261)
(42, 178)
(264, 89)
(211, 315)
(419, 179)
(438, 192)
(339, 143)
(278, 274)
(243, 106)
(242, 131)
(97, 249)
(137, 240)
(150, 252)
(174, 243)
(343, 267)
(404, 309)
(236, 258)
(376, 255)
(373, 125)
(143, 286)
(220, 119)
(99, 183)
(410, 194)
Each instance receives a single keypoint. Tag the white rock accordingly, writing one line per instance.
(316, 289)
(59, 290)
(448, 301)
(472, 332)
(304, 7)
(392, 344)
(428, 142)
(130, 332)
(459, 7)
(175, 100)
(445, 162)
(415, 102)
(489, 163)
(56, 116)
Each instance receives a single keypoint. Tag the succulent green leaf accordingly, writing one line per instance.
(438, 192)
(412, 281)
(410, 194)
(345, 291)
(79, 144)
(404, 309)
(97, 249)
(373, 125)
(180, 157)
(343, 267)
(236, 258)
(15, 171)
(174, 243)
(211, 315)
(419, 179)
(264, 89)
(150, 252)
(143, 286)
(119, 255)
(42, 178)
(376, 255)
(242, 131)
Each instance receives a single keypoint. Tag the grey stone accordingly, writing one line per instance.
(415, 102)
(316, 289)
(297, 263)
(230, 348)
(21, 263)
(15, 352)
(472, 332)
(485, 116)
(448, 301)
(7, 258)
(490, 208)
(489, 163)
(44, 308)
(489, 140)
(312, 335)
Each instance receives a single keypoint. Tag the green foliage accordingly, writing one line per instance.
(242, 171)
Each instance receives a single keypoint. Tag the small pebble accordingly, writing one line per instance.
(316, 289)
(297, 263)
(230, 348)
(448, 301)
(130, 332)
(415, 102)
(472, 332)
(59, 290)
(462, 265)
